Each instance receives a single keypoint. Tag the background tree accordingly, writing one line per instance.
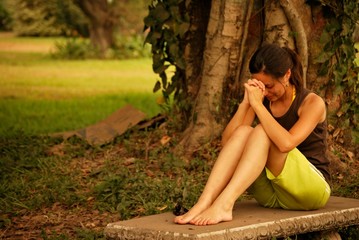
(207, 83)
(109, 24)
(110, 18)
(5, 19)
(44, 18)
(103, 16)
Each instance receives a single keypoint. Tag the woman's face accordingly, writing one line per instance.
(274, 88)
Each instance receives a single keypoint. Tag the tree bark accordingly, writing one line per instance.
(301, 37)
(277, 28)
(284, 26)
(194, 46)
(220, 62)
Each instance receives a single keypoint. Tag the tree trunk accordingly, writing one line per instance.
(235, 29)
(221, 61)
(103, 18)
(194, 46)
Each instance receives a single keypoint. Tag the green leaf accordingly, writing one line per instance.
(169, 23)
(157, 86)
(325, 37)
(163, 76)
(160, 67)
(340, 72)
(180, 63)
(346, 30)
(161, 13)
(337, 43)
(149, 21)
(175, 12)
(333, 26)
(170, 88)
(157, 65)
(174, 2)
(183, 29)
(173, 49)
(149, 38)
(323, 57)
(323, 70)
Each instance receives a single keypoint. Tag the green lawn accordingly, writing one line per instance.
(40, 95)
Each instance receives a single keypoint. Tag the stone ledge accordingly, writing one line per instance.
(250, 221)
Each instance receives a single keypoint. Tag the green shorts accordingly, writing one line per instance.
(300, 186)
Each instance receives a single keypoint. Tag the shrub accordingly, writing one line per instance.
(74, 48)
(124, 48)
(130, 47)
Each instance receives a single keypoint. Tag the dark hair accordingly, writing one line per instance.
(274, 60)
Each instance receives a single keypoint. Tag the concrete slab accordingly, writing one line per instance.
(250, 221)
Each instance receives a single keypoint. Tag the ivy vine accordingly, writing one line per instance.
(338, 60)
(168, 24)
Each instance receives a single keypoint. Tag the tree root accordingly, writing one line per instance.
(301, 39)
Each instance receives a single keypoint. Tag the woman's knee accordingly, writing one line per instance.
(247, 131)
(259, 127)
(241, 131)
(260, 132)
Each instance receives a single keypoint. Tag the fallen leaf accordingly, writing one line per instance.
(336, 132)
(165, 139)
(350, 155)
(129, 161)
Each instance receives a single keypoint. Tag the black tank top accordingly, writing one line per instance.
(315, 145)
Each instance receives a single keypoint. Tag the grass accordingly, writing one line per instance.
(51, 78)
(34, 117)
(40, 95)
(77, 178)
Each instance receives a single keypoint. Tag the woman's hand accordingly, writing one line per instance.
(254, 83)
(254, 92)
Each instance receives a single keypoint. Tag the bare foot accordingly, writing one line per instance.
(192, 213)
(212, 215)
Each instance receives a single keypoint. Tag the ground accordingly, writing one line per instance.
(83, 222)
(75, 222)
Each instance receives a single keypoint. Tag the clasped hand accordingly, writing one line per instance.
(254, 92)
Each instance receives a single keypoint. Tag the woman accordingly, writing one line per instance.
(281, 161)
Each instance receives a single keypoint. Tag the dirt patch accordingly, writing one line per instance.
(57, 220)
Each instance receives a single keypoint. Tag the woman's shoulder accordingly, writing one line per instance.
(306, 95)
(312, 102)
(311, 97)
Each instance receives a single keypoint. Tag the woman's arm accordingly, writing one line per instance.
(244, 116)
(310, 114)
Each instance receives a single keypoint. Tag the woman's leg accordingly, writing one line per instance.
(252, 162)
(221, 173)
